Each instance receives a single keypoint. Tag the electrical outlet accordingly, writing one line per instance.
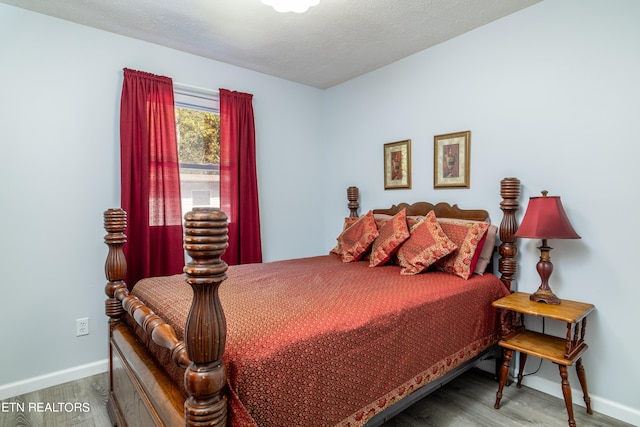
(82, 326)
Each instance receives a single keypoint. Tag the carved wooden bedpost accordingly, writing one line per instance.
(353, 205)
(510, 191)
(115, 270)
(206, 329)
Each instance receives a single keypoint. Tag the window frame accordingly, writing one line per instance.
(195, 98)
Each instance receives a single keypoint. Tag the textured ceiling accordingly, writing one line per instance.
(329, 44)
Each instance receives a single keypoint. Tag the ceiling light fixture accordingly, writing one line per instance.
(297, 6)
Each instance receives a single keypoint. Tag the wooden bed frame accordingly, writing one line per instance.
(141, 393)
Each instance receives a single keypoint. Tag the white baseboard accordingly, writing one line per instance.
(598, 404)
(54, 378)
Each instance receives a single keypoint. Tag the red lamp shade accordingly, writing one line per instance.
(545, 218)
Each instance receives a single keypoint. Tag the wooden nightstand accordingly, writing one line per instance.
(561, 351)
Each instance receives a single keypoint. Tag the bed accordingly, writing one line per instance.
(312, 341)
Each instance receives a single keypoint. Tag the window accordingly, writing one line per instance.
(197, 130)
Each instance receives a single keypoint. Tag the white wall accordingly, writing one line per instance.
(550, 95)
(59, 110)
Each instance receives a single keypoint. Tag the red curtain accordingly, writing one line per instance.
(150, 177)
(238, 180)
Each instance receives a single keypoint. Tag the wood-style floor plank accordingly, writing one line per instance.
(76, 403)
(466, 401)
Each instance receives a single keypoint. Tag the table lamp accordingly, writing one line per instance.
(544, 219)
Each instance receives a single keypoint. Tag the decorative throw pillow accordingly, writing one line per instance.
(487, 250)
(390, 236)
(348, 222)
(467, 236)
(476, 254)
(427, 244)
(381, 219)
(357, 239)
(413, 220)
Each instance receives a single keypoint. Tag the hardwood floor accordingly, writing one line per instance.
(76, 403)
(466, 401)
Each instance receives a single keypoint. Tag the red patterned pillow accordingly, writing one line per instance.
(348, 222)
(413, 220)
(390, 236)
(357, 239)
(467, 235)
(381, 219)
(427, 244)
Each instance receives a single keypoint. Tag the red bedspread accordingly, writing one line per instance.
(317, 342)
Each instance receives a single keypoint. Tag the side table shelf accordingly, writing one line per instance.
(543, 346)
(561, 351)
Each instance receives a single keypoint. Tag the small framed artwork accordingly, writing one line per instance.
(451, 160)
(397, 165)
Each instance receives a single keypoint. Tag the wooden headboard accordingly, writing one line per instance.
(509, 191)
(442, 210)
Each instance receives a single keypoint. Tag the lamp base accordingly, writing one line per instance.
(545, 268)
(546, 296)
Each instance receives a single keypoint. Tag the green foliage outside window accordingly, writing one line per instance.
(198, 136)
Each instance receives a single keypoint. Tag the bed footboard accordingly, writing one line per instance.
(130, 372)
(206, 329)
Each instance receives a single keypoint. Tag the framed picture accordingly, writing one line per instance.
(451, 160)
(397, 165)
